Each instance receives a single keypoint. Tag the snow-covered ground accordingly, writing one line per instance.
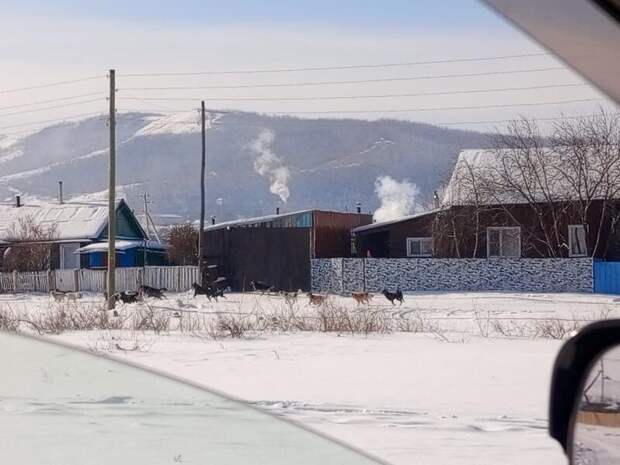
(471, 387)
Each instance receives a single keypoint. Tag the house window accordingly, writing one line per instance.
(419, 246)
(69, 260)
(577, 241)
(504, 242)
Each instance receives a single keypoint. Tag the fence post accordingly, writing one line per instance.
(364, 274)
(14, 280)
(140, 276)
(76, 280)
(342, 276)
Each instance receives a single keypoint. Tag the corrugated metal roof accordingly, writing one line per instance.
(71, 220)
(256, 220)
(382, 224)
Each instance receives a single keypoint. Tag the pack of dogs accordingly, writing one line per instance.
(362, 298)
(215, 291)
(131, 297)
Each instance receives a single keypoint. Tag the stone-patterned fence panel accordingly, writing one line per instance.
(326, 274)
(415, 274)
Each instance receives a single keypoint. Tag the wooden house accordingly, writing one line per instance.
(75, 234)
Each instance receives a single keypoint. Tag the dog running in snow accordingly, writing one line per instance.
(361, 297)
(59, 296)
(392, 296)
(127, 297)
(260, 286)
(148, 291)
(210, 292)
(316, 299)
(290, 297)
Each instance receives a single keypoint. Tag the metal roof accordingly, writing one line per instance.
(382, 224)
(255, 220)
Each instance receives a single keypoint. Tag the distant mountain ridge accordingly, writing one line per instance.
(324, 163)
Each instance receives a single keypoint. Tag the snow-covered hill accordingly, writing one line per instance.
(323, 163)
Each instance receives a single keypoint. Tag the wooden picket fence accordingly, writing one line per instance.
(173, 278)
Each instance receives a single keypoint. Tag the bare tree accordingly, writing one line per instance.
(569, 177)
(183, 244)
(454, 228)
(30, 246)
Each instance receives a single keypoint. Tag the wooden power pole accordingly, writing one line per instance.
(202, 193)
(112, 195)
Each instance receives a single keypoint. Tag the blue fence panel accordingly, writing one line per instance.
(607, 277)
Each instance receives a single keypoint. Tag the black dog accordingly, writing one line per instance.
(260, 286)
(210, 292)
(152, 292)
(127, 297)
(392, 296)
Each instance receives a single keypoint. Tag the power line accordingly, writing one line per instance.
(81, 115)
(355, 97)
(334, 68)
(362, 81)
(53, 107)
(42, 102)
(406, 110)
(411, 110)
(51, 84)
(557, 118)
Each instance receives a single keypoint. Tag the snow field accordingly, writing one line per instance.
(458, 388)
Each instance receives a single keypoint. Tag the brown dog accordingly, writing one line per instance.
(361, 297)
(316, 299)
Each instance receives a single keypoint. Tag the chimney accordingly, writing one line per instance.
(18, 201)
(60, 199)
(212, 219)
(359, 207)
(277, 210)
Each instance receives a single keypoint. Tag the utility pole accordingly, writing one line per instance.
(202, 194)
(146, 220)
(112, 195)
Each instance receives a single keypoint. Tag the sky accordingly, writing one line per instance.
(46, 42)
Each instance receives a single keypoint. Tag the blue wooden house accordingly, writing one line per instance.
(80, 234)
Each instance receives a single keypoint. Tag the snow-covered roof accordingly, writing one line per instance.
(121, 246)
(255, 220)
(382, 224)
(490, 170)
(71, 220)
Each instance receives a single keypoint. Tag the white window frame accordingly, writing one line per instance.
(502, 228)
(570, 237)
(413, 239)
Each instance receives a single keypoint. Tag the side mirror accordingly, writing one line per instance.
(584, 411)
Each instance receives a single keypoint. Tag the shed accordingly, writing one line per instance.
(278, 248)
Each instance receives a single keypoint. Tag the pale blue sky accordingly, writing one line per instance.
(449, 14)
(57, 40)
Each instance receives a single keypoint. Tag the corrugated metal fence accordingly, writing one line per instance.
(606, 277)
(173, 278)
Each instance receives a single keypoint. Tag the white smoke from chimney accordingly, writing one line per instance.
(270, 165)
(398, 199)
